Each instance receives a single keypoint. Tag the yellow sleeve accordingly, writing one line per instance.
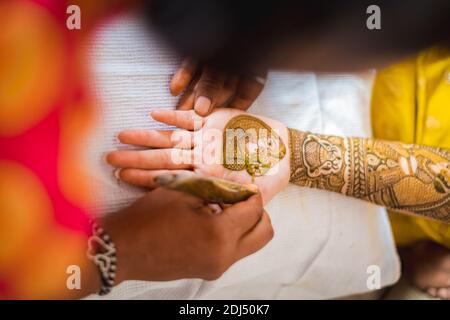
(410, 104)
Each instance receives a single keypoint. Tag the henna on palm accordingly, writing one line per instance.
(250, 144)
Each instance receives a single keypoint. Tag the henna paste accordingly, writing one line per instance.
(398, 176)
(251, 145)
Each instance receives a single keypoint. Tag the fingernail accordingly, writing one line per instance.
(252, 187)
(432, 291)
(117, 173)
(202, 105)
(443, 293)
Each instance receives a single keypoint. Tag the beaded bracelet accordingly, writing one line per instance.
(102, 252)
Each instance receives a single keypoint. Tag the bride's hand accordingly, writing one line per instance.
(197, 147)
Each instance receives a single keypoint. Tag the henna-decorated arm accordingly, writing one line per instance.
(408, 178)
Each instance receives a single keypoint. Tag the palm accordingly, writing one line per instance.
(205, 155)
(207, 166)
(268, 184)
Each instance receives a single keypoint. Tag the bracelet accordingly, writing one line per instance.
(102, 252)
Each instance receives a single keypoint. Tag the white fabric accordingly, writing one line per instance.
(324, 242)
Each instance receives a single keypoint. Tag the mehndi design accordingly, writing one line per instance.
(402, 177)
(250, 144)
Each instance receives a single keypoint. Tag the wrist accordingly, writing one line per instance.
(101, 251)
(282, 169)
(296, 138)
(116, 230)
(92, 281)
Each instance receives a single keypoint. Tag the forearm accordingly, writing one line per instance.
(409, 178)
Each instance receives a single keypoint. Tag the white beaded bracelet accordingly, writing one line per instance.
(102, 252)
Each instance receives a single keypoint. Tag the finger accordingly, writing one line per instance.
(435, 280)
(256, 238)
(432, 292)
(443, 293)
(227, 92)
(187, 101)
(248, 89)
(143, 178)
(246, 213)
(215, 208)
(151, 159)
(181, 139)
(183, 76)
(209, 85)
(177, 197)
(188, 98)
(188, 120)
(445, 264)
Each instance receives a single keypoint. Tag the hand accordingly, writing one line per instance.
(140, 167)
(168, 235)
(205, 88)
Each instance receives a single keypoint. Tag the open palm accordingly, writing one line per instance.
(197, 145)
